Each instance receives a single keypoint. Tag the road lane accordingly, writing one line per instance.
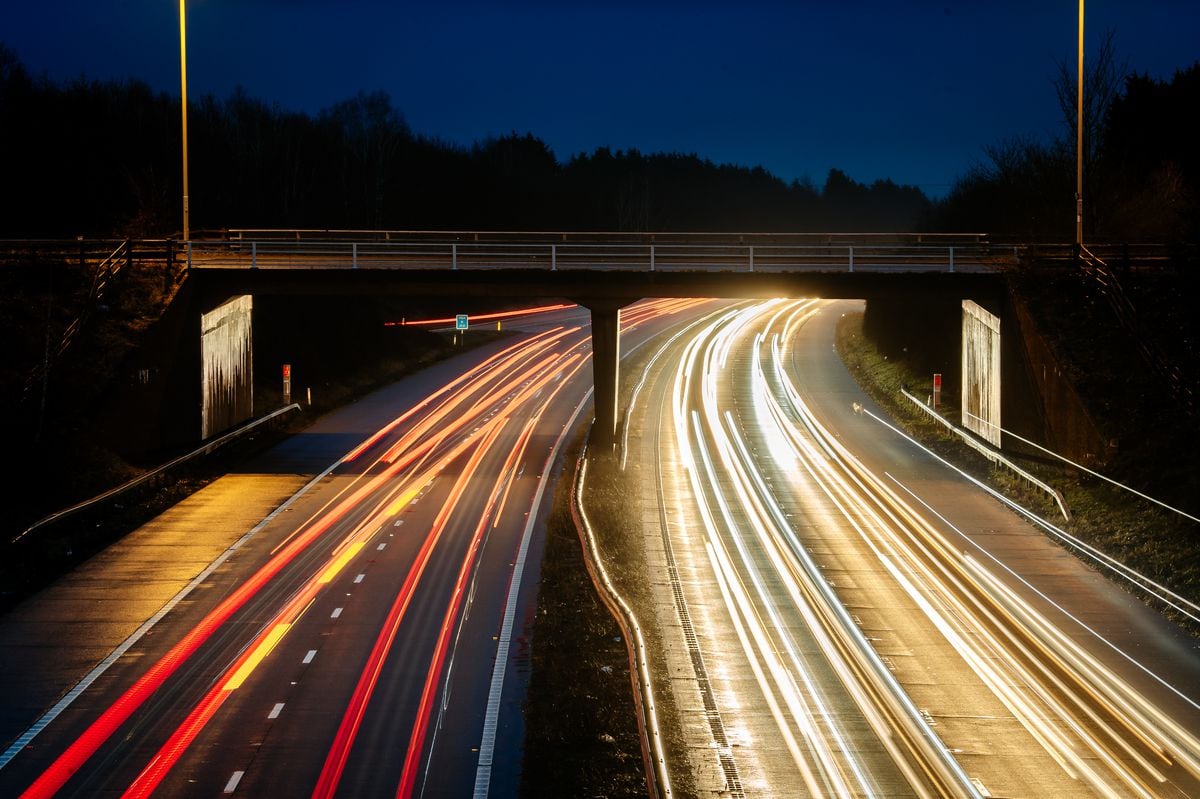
(767, 513)
(279, 639)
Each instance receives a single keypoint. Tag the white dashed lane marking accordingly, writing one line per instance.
(232, 785)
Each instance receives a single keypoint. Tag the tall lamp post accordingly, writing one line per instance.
(1079, 138)
(184, 104)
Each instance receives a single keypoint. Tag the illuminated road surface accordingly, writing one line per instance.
(349, 647)
(830, 636)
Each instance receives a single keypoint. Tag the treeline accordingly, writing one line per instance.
(1140, 160)
(104, 158)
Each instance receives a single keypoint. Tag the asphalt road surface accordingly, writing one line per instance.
(845, 616)
(365, 638)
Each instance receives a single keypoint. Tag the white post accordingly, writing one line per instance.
(553, 257)
(851, 258)
(752, 258)
(651, 257)
(354, 254)
(454, 256)
(951, 259)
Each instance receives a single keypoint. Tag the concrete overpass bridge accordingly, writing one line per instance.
(601, 271)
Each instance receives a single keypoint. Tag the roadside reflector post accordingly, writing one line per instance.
(287, 384)
(937, 390)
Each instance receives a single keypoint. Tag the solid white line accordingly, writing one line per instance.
(275, 711)
(50, 715)
(336, 612)
(232, 785)
(487, 747)
(312, 653)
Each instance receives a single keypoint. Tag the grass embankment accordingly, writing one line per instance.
(71, 431)
(54, 549)
(1159, 544)
(581, 736)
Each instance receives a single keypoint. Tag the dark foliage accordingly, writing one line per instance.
(1141, 180)
(104, 158)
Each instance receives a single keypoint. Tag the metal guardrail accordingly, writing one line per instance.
(581, 236)
(714, 250)
(204, 449)
(711, 255)
(992, 455)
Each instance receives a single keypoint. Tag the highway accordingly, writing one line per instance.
(838, 614)
(363, 639)
(843, 617)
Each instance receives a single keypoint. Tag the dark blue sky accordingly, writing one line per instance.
(907, 90)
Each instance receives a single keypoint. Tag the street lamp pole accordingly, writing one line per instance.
(184, 104)
(1079, 138)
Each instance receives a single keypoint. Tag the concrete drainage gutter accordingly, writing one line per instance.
(658, 782)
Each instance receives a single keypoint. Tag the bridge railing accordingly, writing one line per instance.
(617, 255)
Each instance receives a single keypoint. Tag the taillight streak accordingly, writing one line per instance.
(339, 753)
(416, 740)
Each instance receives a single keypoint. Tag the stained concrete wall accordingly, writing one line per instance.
(1037, 400)
(227, 365)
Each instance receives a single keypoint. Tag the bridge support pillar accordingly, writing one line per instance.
(606, 356)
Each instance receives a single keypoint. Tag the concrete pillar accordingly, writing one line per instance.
(606, 355)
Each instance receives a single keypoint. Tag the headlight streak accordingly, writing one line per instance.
(1064, 671)
(1095, 726)
(858, 665)
(839, 637)
(1013, 697)
(637, 390)
(828, 773)
(1184, 746)
(754, 642)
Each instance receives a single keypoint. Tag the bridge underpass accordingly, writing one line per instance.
(602, 272)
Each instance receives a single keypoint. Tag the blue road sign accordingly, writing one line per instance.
(460, 321)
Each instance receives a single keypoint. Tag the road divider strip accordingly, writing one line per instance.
(657, 777)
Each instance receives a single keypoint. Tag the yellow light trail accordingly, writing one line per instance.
(261, 651)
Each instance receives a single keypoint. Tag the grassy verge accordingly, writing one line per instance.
(581, 737)
(1160, 545)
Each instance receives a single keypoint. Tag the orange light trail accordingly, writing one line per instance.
(105, 725)
(486, 317)
(339, 753)
(416, 740)
(472, 374)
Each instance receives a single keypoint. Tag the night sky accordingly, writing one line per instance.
(910, 91)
